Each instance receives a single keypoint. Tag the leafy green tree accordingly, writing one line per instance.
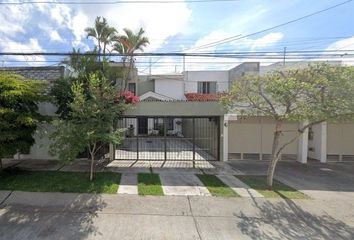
(312, 95)
(90, 121)
(80, 66)
(127, 45)
(18, 113)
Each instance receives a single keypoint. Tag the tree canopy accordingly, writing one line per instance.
(90, 121)
(315, 94)
(19, 114)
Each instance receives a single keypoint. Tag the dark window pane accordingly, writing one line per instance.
(131, 87)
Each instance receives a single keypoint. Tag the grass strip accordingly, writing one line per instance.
(216, 187)
(51, 181)
(279, 190)
(149, 184)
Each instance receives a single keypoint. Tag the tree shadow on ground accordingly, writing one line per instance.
(74, 220)
(286, 220)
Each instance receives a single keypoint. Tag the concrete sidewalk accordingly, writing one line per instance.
(25, 215)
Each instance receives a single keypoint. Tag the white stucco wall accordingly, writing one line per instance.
(40, 149)
(193, 77)
(170, 88)
(317, 143)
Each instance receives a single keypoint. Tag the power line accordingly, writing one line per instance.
(230, 39)
(115, 2)
(196, 54)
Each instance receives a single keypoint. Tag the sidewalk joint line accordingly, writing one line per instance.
(194, 220)
(3, 201)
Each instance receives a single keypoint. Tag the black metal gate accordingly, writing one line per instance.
(169, 138)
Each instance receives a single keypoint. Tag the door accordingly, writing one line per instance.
(143, 125)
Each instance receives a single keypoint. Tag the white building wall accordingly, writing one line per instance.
(193, 77)
(170, 88)
(317, 142)
(40, 148)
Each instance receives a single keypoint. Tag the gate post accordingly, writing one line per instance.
(193, 137)
(164, 136)
(137, 139)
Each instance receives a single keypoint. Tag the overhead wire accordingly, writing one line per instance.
(237, 37)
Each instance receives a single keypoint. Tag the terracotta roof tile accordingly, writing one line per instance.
(200, 97)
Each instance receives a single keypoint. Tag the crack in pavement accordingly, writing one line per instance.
(194, 220)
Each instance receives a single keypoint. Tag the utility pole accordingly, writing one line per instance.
(284, 56)
(150, 66)
(184, 63)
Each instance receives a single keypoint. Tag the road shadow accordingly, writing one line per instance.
(286, 220)
(73, 218)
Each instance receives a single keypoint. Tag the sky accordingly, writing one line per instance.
(178, 27)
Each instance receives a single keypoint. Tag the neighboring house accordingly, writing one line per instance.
(251, 138)
(40, 150)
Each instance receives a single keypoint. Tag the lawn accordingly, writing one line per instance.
(149, 184)
(50, 181)
(279, 189)
(216, 187)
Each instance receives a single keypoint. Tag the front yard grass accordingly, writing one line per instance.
(216, 187)
(149, 184)
(50, 181)
(259, 183)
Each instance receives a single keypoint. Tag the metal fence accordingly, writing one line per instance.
(169, 138)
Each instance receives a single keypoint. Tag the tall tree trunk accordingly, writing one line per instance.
(91, 167)
(275, 154)
(92, 154)
(99, 50)
(128, 73)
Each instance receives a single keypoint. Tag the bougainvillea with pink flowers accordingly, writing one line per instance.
(128, 97)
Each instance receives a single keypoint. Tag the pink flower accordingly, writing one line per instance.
(128, 97)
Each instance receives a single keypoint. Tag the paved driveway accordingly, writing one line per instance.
(153, 148)
(331, 180)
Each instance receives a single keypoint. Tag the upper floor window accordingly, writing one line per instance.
(131, 87)
(206, 87)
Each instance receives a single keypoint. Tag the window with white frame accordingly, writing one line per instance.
(206, 87)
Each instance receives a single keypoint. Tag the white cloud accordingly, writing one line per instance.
(52, 33)
(54, 36)
(31, 46)
(13, 19)
(265, 41)
(342, 45)
(159, 21)
(248, 44)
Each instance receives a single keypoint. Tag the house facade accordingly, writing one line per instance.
(168, 102)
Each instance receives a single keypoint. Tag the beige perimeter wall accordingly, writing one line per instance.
(255, 136)
(340, 139)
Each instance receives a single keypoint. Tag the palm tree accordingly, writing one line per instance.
(127, 45)
(102, 32)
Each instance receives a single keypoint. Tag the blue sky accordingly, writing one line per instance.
(178, 27)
